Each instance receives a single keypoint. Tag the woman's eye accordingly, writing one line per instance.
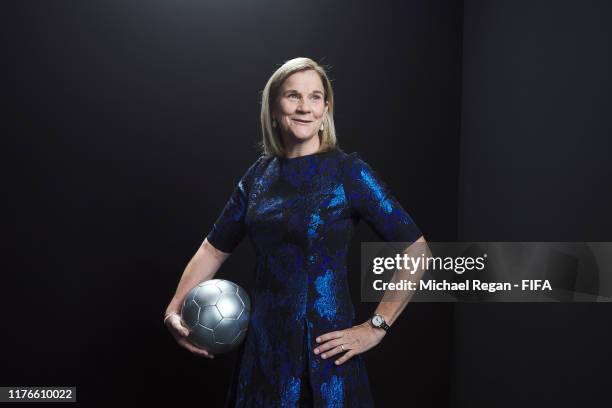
(293, 96)
(316, 97)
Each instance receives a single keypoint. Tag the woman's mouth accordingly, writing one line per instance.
(302, 122)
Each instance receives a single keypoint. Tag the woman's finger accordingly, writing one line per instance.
(196, 350)
(178, 326)
(328, 345)
(345, 357)
(330, 336)
(332, 352)
(175, 324)
(182, 341)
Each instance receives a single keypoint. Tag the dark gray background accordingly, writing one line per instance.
(534, 166)
(128, 124)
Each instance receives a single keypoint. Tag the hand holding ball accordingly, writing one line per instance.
(216, 312)
(174, 323)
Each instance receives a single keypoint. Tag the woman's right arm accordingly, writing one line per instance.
(203, 266)
(226, 233)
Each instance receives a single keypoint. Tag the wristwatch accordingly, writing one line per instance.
(379, 322)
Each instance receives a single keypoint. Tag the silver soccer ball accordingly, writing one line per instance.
(217, 314)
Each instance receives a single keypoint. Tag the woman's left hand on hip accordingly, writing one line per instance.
(351, 342)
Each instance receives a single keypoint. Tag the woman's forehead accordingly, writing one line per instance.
(303, 81)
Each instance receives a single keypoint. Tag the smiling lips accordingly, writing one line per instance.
(302, 121)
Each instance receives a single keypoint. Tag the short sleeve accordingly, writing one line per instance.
(229, 228)
(370, 199)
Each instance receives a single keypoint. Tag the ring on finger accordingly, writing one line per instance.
(342, 347)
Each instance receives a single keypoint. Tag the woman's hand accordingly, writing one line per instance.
(174, 323)
(355, 340)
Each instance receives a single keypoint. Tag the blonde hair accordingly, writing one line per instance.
(271, 144)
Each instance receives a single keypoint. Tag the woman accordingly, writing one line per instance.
(299, 203)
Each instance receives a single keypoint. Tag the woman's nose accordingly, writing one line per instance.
(302, 109)
(303, 106)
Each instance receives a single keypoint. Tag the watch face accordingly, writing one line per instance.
(377, 320)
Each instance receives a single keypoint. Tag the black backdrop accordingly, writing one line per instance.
(534, 166)
(128, 124)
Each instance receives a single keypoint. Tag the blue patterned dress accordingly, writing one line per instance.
(300, 214)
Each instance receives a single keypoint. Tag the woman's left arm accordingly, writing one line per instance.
(370, 198)
(359, 339)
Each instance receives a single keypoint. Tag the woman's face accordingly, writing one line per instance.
(300, 106)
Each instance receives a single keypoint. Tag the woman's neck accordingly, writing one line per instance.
(301, 149)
